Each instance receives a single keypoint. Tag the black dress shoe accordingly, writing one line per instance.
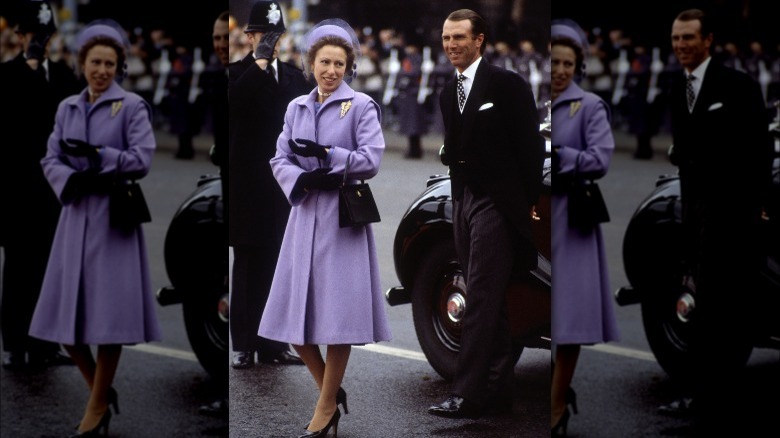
(282, 358)
(456, 407)
(243, 359)
(57, 358)
(681, 408)
(14, 361)
(218, 408)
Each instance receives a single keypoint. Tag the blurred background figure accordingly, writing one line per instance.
(412, 117)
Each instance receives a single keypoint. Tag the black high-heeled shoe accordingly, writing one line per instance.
(341, 399)
(113, 399)
(571, 399)
(95, 431)
(334, 422)
(561, 427)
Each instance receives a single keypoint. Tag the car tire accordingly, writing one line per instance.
(438, 278)
(205, 319)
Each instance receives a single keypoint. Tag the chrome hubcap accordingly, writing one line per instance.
(456, 307)
(685, 306)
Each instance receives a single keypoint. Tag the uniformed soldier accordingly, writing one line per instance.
(32, 87)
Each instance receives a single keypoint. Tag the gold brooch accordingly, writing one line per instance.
(115, 107)
(345, 106)
(574, 107)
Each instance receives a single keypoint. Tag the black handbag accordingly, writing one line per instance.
(357, 206)
(586, 203)
(127, 206)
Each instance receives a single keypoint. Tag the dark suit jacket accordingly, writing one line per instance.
(258, 208)
(32, 101)
(723, 152)
(495, 146)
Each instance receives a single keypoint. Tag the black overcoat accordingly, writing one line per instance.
(258, 210)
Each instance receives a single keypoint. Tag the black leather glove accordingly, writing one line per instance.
(317, 179)
(311, 149)
(80, 148)
(265, 48)
(37, 47)
(79, 184)
(555, 159)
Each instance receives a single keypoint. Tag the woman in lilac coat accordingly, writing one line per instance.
(582, 309)
(97, 289)
(326, 288)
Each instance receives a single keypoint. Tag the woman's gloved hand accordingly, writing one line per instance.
(80, 148)
(310, 148)
(317, 179)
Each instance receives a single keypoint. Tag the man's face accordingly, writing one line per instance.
(460, 45)
(688, 44)
(221, 39)
(256, 37)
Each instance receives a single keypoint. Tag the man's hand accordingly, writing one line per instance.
(267, 45)
(310, 148)
(36, 50)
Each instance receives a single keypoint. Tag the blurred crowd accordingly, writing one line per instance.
(172, 75)
(405, 76)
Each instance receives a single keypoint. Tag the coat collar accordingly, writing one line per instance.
(114, 92)
(571, 93)
(343, 92)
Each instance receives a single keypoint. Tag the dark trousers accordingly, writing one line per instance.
(253, 272)
(24, 266)
(483, 241)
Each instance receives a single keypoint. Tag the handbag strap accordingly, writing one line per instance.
(346, 168)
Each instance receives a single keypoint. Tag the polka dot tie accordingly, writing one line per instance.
(461, 93)
(689, 91)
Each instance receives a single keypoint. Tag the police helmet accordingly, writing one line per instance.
(266, 16)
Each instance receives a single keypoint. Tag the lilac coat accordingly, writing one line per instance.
(97, 288)
(326, 287)
(582, 307)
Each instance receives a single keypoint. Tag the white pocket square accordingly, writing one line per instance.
(715, 106)
(486, 106)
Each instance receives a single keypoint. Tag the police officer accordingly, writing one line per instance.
(32, 87)
(259, 89)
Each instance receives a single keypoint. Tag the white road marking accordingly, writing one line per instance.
(392, 351)
(165, 351)
(623, 351)
(397, 352)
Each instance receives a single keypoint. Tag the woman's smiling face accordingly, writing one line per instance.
(329, 67)
(100, 68)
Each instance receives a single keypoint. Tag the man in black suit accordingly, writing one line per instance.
(496, 155)
(721, 145)
(32, 86)
(260, 87)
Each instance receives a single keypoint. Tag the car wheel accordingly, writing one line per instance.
(439, 285)
(666, 316)
(438, 302)
(206, 321)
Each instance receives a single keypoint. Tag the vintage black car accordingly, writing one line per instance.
(652, 257)
(432, 280)
(196, 260)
